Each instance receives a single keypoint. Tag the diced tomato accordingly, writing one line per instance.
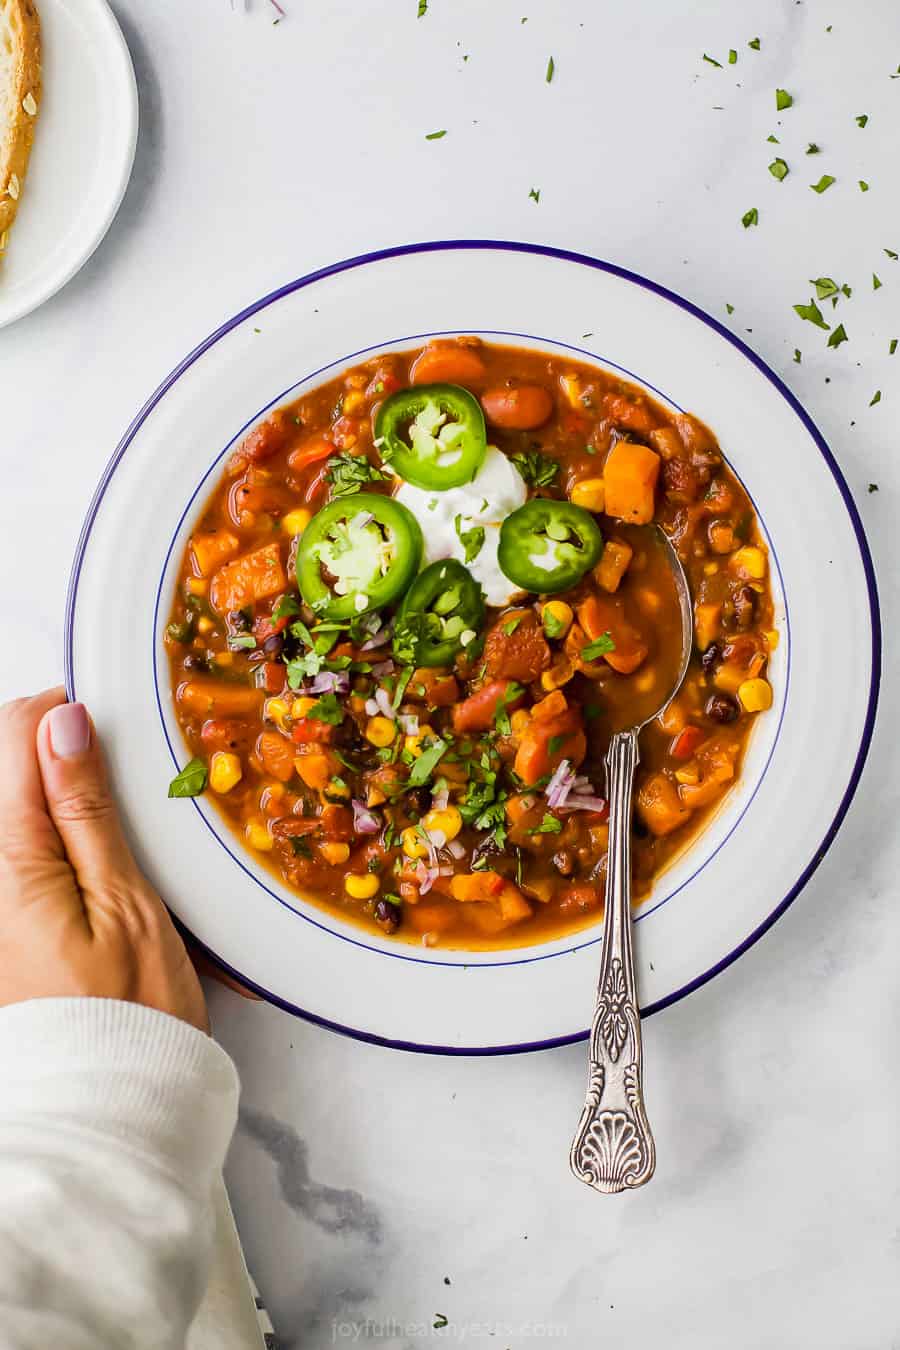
(382, 385)
(309, 452)
(277, 755)
(520, 654)
(254, 576)
(264, 441)
(226, 733)
(433, 687)
(274, 677)
(686, 742)
(628, 413)
(265, 626)
(337, 823)
(308, 729)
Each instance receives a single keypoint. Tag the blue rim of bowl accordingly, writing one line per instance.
(517, 956)
(564, 255)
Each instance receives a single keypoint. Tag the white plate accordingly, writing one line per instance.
(804, 758)
(83, 151)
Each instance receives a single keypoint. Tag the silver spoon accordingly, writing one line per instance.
(613, 1148)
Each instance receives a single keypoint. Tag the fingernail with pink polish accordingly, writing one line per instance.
(70, 730)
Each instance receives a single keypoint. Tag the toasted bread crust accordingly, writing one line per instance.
(19, 22)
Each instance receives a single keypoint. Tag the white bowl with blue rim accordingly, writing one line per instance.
(805, 755)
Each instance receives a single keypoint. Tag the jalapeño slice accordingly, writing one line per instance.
(442, 613)
(357, 554)
(432, 436)
(546, 546)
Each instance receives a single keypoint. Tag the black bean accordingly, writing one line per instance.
(387, 916)
(273, 646)
(711, 657)
(722, 708)
(196, 661)
(744, 605)
(418, 799)
(238, 620)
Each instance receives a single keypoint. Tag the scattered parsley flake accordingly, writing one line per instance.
(510, 627)
(599, 647)
(190, 781)
(891, 254)
(798, 355)
(825, 287)
(823, 184)
(838, 336)
(288, 604)
(730, 308)
(813, 149)
(439, 1318)
(537, 470)
(347, 473)
(873, 487)
(876, 282)
(862, 119)
(750, 217)
(327, 709)
(754, 43)
(436, 135)
(549, 825)
(241, 641)
(812, 314)
(732, 57)
(551, 67)
(893, 347)
(712, 61)
(863, 185)
(423, 9)
(553, 627)
(535, 194)
(774, 140)
(472, 540)
(783, 99)
(779, 169)
(876, 398)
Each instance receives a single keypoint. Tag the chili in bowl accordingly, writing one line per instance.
(415, 607)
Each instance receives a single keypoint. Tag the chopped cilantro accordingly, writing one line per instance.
(549, 825)
(501, 716)
(510, 627)
(423, 9)
(288, 604)
(863, 185)
(241, 641)
(812, 314)
(783, 99)
(876, 398)
(600, 645)
(426, 763)
(347, 473)
(750, 217)
(813, 149)
(472, 540)
(838, 336)
(754, 43)
(825, 287)
(327, 709)
(190, 781)
(535, 194)
(406, 675)
(862, 119)
(712, 61)
(300, 846)
(551, 67)
(891, 254)
(779, 169)
(555, 744)
(823, 184)
(553, 627)
(537, 470)
(876, 282)
(436, 135)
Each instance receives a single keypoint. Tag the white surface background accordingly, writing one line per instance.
(362, 1177)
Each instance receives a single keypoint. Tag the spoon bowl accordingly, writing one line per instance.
(613, 1148)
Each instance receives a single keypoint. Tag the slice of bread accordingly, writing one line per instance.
(20, 99)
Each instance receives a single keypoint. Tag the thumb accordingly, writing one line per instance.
(79, 800)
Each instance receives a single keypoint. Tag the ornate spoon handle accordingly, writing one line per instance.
(613, 1148)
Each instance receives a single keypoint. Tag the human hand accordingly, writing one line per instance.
(77, 917)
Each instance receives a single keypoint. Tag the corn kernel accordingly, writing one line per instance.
(519, 721)
(335, 853)
(380, 731)
(414, 743)
(749, 562)
(755, 695)
(446, 819)
(362, 887)
(710, 569)
(224, 771)
(589, 493)
(301, 706)
(561, 616)
(375, 797)
(205, 625)
(559, 674)
(772, 637)
(414, 845)
(295, 522)
(353, 403)
(336, 791)
(258, 837)
(276, 710)
(690, 774)
(224, 659)
(198, 585)
(645, 681)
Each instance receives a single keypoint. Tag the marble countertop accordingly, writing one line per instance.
(378, 1193)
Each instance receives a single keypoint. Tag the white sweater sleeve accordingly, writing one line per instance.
(114, 1123)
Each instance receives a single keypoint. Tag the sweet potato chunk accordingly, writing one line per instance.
(659, 806)
(252, 577)
(630, 475)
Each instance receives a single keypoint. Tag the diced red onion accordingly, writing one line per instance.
(364, 820)
(330, 682)
(560, 785)
(383, 668)
(456, 849)
(378, 639)
(382, 698)
(439, 800)
(582, 784)
(437, 837)
(426, 877)
(371, 707)
(445, 871)
(581, 801)
(409, 723)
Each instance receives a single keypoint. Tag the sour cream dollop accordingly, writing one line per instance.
(495, 491)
